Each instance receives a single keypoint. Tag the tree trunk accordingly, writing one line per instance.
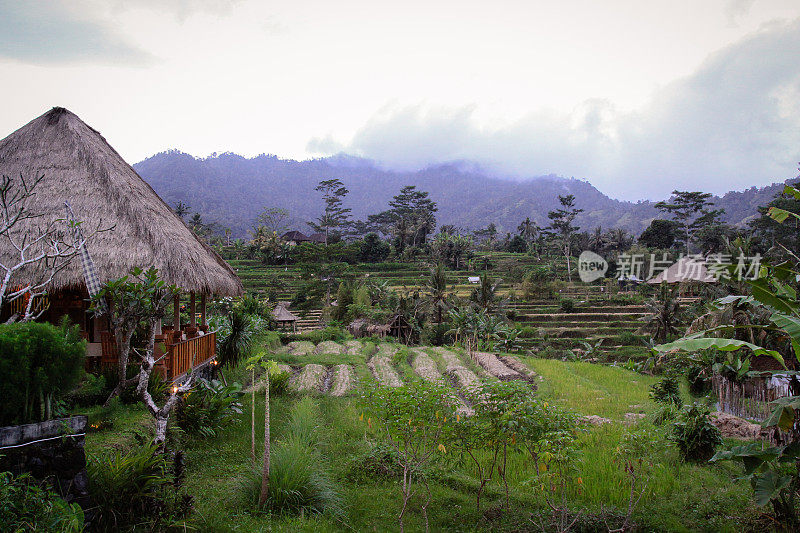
(265, 472)
(253, 421)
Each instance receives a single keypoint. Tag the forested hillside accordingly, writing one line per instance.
(232, 190)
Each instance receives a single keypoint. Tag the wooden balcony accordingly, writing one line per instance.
(180, 357)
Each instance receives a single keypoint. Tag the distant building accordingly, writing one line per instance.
(293, 238)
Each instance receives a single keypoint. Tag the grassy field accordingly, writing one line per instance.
(677, 496)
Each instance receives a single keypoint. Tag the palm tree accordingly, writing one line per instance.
(619, 240)
(436, 291)
(485, 294)
(665, 313)
(181, 209)
(597, 240)
(528, 230)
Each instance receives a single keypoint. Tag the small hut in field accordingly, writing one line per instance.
(284, 317)
(78, 166)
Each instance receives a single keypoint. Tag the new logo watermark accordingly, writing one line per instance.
(591, 266)
(696, 267)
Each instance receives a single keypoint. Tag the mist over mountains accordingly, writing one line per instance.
(232, 190)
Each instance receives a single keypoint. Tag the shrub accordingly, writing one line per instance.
(665, 413)
(26, 506)
(278, 382)
(39, 364)
(133, 488)
(381, 461)
(156, 386)
(567, 305)
(528, 332)
(91, 391)
(209, 407)
(235, 339)
(696, 437)
(666, 391)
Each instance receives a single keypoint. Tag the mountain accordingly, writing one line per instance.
(232, 190)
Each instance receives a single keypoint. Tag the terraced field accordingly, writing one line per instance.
(597, 314)
(337, 369)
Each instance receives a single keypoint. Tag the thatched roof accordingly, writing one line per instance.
(79, 166)
(281, 314)
(295, 236)
(687, 269)
(317, 237)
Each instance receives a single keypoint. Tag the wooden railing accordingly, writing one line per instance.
(181, 356)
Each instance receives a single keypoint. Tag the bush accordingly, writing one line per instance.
(528, 332)
(379, 462)
(567, 305)
(91, 391)
(26, 506)
(209, 407)
(666, 391)
(278, 382)
(665, 413)
(696, 437)
(235, 339)
(133, 488)
(39, 364)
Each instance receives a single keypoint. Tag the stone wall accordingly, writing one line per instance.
(52, 451)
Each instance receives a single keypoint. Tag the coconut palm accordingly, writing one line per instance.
(485, 296)
(664, 313)
(436, 295)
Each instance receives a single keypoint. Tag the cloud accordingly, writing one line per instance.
(731, 124)
(736, 9)
(51, 32)
(181, 9)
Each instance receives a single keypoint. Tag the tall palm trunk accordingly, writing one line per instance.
(265, 472)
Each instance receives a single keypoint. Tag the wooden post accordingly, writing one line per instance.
(176, 312)
(203, 310)
(192, 310)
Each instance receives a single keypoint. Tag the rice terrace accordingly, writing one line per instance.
(522, 267)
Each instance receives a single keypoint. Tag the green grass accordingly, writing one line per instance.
(678, 497)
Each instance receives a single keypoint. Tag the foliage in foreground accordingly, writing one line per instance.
(26, 506)
(39, 363)
(209, 407)
(135, 488)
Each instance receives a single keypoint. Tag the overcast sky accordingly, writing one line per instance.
(638, 97)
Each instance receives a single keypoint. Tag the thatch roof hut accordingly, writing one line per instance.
(294, 237)
(283, 316)
(79, 166)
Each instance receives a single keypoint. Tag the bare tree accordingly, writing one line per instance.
(34, 249)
